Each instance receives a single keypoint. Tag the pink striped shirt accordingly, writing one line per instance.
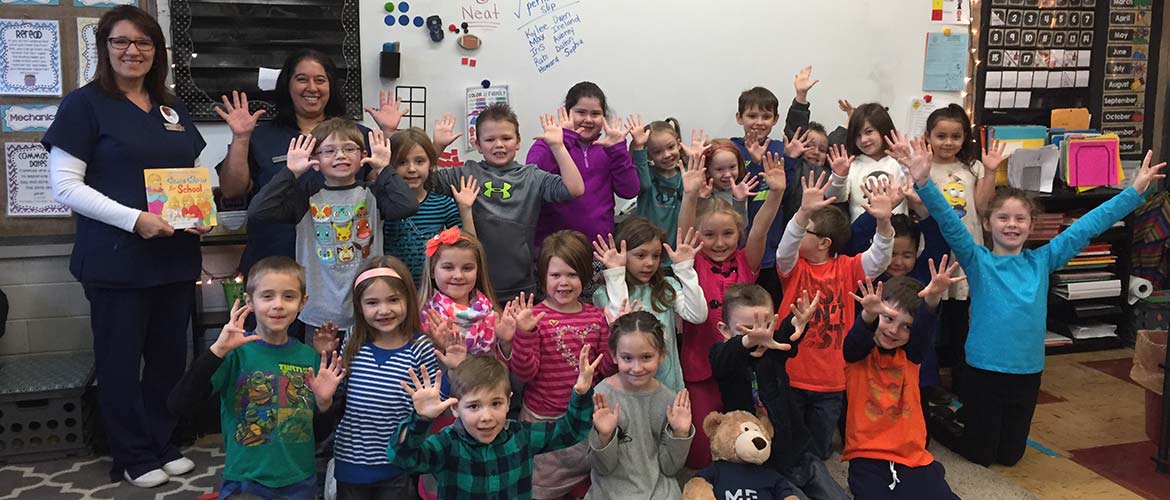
(546, 360)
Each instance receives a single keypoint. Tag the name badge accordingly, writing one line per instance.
(168, 114)
(173, 127)
(278, 159)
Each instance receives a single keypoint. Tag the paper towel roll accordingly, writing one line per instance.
(1139, 288)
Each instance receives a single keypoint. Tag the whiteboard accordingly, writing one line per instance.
(684, 58)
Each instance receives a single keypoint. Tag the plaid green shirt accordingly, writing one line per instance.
(467, 469)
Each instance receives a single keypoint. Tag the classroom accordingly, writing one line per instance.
(625, 250)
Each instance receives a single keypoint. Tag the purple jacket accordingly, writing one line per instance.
(606, 171)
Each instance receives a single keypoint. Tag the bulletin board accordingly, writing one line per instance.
(66, 13)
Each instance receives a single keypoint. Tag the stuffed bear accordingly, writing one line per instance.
(740, 444)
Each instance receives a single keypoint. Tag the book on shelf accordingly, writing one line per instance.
(1055, 339)
(1046, 226)
(1082, 276)
(1092, 330)
(1088, 289)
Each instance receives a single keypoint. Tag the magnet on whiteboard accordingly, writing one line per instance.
(485, 84)
(947, 31)
(469, 42)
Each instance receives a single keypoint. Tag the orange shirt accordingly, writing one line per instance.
(820, 365)
(884, 420)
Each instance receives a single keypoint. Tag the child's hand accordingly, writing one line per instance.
(325, 338)
(774, 174)
(802, 83)
(522, 309)
(1147, 174)
(761, 332)
(755, 148)
(232, 334)
(921, 161)
(802, 312)
(585, 371)
(615, 131)
(445, 131)
(456, 342)
(425, 394)
(843, 105)
(678, 415)
(695, 175)
(639, 136)
(871, 300)
(300, 155)
(813, 198)
(840, 160)
(379, 151)
(687, 246)
(610, 254)
(235, 113)
(745, 188)
(993, 156)
(941, 279)
(388, 113)
(506, 324)
(554, 134)
(324, 382)
(698, 144)
(881, 198)
(628, 306)
(605, 418)
(899, 147)
(797, 144)
(467, 192)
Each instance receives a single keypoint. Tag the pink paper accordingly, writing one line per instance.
(1092, 163)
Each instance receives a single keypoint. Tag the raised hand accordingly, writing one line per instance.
(605, 418)
(232, 334)
(993, 156)
(456, 342)
(300, 154)
(554, 131)
(379, 151)
(899, 147)
(695, 175)
(745, 188)
(639, 136)
(1147, 174)
(428, 402)
(526, 321)
(921, 161)
(445, 131)
(235, 113)
(844, 106)
(881, 198)
(773, 174)
(802, 312)
(324, 381)
(615, 131)
(840, 160)
(585, 369)
(698, 143)
(628, 306)
(687, 246)
(761, 332)
(466, 193)
(678, 415)
(941, 279)
(755, 148)
(797, 144)
(388, 114)
(609, 253)
(871, 300)
(813, 198)
(325, 338)
(802, 83)
(506, 324)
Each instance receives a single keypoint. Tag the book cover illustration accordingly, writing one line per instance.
(182, 196)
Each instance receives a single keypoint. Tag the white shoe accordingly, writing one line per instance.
(149, 480)
(178, 466)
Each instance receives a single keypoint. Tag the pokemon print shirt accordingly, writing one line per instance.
(266, 413)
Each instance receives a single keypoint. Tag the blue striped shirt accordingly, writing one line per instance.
(407, 238)
(375, 404)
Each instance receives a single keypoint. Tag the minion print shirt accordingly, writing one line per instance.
(957, 183)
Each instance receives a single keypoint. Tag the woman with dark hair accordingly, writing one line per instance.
(307, 93)
(137, 271)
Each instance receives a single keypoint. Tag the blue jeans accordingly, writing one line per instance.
(304, 490)
(821, 410)
(813, 480)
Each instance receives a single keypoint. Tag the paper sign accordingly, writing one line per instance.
(86, 49)
(1033, 169)
(920, 110)
(946, 61)
(30, 194)
(266, 80)
(27, 117)
(479, 98)
(950, 11)
(30, 57)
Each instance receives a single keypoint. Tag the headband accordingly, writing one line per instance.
(375, 272)
(445, 237)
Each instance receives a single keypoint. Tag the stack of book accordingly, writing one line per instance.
(1092, 330)
(1046, 226)
(1095, 256)
(1053, 339)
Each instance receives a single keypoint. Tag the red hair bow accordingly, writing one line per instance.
(445, 237)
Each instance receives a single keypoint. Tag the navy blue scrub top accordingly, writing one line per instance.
(118, 140)
(267, 155)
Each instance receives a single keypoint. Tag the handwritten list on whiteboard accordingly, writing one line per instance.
(551, 30)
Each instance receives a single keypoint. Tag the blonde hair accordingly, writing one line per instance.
(714, 206)
(466, 241)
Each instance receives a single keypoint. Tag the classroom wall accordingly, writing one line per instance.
(47, 307)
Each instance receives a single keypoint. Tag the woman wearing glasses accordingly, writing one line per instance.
(138, 272)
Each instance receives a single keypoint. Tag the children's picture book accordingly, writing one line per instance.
(182, 196)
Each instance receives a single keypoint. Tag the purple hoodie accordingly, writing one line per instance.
(606, 171)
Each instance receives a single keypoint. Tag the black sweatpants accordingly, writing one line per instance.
(954, 323)
(870, 478)
(998, 410)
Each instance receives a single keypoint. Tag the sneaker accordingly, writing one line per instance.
(149, 480)
(178, 466)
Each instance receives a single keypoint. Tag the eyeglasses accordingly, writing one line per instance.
(329, 152)
(122, 43)
(818, 235)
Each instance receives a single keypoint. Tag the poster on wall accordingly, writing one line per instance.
(479, 98)
(27, 117)
(950, 11)
(30, 57)
(30, 194)
(86, 49)
(1127, 66)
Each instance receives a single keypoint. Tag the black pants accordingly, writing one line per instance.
(869, 478)
(770, 280)
(998, 410)
(140, 348)
(954, 322)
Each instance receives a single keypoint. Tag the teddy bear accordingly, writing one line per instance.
(740, 444)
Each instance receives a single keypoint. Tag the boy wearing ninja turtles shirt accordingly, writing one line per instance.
(268, 388)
